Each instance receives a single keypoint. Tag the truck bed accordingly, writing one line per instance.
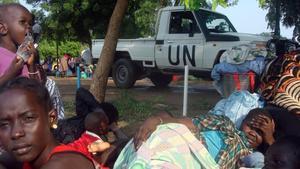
(140, 49)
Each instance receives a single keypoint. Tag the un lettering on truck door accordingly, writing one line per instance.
(188, 57)
(183, 42)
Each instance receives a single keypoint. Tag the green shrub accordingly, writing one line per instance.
(48, 48)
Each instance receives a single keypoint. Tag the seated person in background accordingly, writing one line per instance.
(26, 116)
(168, 142)
(284, 154)
(71, 129)
(90, 142)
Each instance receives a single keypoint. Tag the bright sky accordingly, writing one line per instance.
(246, 17)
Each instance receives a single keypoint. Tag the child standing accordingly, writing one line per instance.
(15, 23)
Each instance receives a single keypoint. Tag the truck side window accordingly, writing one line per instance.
(216, 23)
(183, 23)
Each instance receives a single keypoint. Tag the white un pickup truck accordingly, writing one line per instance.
(182, 37)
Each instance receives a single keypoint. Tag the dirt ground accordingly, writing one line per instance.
(201, 96)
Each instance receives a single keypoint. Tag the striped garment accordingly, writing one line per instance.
(236, 145)
(55, 97)
(288, 94)
(280, 83)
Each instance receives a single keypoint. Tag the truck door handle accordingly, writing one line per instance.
(170, 41)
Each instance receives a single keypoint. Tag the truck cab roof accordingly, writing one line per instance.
(180, 8)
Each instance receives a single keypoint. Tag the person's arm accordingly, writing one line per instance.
(31, 63)
(13, 70)
(98, 147)
(149, 126)
(55, 97)
(68, 161)
(117, 131)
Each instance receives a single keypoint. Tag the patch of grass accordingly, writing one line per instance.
(132, 110)
(202, 105)
(69, 106)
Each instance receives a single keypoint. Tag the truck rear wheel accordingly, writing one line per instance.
(160, 80)
(124, 73)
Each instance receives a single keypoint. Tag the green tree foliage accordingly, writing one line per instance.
(9, 1)
(144, 14)
(48, 48)
(73, 20)
(196, 4)
(145, 18)
(289, 11)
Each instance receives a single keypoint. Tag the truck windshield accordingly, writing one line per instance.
(213, 22)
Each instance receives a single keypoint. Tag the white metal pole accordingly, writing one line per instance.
(185, 91)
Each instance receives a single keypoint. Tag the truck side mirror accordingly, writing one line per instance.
(191, 30)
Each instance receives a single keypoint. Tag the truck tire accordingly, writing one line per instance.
(160, 80)
(124, 73)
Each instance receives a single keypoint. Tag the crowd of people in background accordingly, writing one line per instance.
(67, 66)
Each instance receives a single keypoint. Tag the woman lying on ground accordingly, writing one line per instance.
(26, 118)
(206, 141)
(273, 123)
(225, 145)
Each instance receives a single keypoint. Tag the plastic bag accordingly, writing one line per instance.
(237, 106)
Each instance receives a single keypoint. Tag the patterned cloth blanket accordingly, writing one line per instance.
(280, 83)
(236, 145)
(171, 146)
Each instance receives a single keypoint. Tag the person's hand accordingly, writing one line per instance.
(33, 54)
(145, 130)
(266, 125)
(98, 146)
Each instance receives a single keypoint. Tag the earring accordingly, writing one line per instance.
(54, 126)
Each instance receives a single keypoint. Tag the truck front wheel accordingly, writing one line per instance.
(124, 73)
(160, 80)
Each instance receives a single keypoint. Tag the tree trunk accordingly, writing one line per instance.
(177, 3)
(104, 64)
(277, 18)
